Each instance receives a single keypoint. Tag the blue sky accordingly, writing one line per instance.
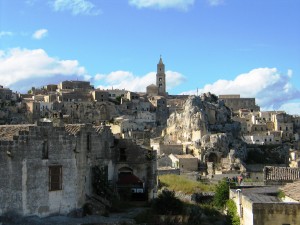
(247, 47)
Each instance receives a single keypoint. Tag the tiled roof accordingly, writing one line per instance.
(292, 190)
(99, 129)
(186, 156)
(7, 132)
(273, 173)
(73, 128)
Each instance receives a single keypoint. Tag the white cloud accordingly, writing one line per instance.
(215, 2)
(30, 2)
(127, 80)
(270, 88)
(39, 34)
(290, 73)
(5, 33)
(21, 69)
(292, 108)
(76, 7)
(162, 4)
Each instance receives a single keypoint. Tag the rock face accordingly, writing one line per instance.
(200, 116)
(206, 128)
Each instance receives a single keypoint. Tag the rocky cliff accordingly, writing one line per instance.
(206, 128)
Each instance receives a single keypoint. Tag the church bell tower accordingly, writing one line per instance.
(161, 78)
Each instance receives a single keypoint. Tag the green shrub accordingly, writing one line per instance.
(280, 194)
(221, 194)
(232, 212)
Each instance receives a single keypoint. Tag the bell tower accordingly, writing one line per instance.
(161, 78)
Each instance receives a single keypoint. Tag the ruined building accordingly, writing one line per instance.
(46, 170)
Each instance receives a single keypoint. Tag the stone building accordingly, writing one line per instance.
(160, 87)
(5, 94)
(159, 105)
(235, 103)
(75, 84)
(49, 170)
(283, 123)
(261, 206)
(100, 95)
(184, 162)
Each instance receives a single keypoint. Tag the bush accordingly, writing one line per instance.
(221, 194)
(167, 204)
(232, 212)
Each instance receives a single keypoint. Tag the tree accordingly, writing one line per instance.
(221, 194)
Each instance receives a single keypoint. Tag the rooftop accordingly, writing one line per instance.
(266, 194)
(7, 132)
(292, 190)
(186, 156)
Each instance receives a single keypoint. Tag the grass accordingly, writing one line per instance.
(183, 184)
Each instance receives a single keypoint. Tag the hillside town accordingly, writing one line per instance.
(70, 145)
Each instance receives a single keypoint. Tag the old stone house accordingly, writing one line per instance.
(262, 206)
(184, 162)
(46, 169)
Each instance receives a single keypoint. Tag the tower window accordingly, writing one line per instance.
(160, 79)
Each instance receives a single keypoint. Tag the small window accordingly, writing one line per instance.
(123, 156)
(55, 178)
(45, 150)
(88, 142)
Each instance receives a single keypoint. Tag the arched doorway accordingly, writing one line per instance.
(212, 157)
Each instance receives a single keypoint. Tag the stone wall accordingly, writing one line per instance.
(276, 213)
(171, 149)
(28, 151)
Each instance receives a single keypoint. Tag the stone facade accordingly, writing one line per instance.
(74, 84)
(46, 170)
(260, 206)
(161, 78)
(235, 103)
(5, 94)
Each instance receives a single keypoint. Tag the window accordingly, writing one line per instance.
(160, 79)
(88, 142)
(45, 150)
(55, 178)
(123, 156)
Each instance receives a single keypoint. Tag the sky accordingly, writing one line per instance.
(246, 47)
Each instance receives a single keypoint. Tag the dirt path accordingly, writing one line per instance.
(112, 219)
